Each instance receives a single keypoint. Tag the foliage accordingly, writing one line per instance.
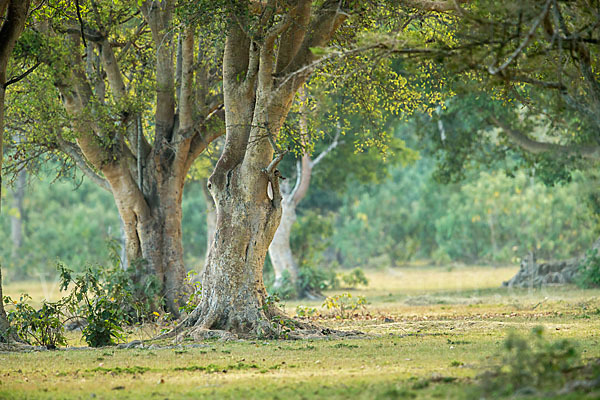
(531, 362)
(588, 275)
(304, 312)
(43, 327)
(196, 293)
(343, 305)
(92, 300)
(355, 278)
(497, 218)
(108, 298)
(489, 217)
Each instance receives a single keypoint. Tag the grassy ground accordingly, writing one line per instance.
(431, 332)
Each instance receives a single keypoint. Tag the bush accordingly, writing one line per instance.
(344, 304)
(92, 300)
(531, 363)
(108, 298)
(42, 327)
(355, 278)
(589, 271)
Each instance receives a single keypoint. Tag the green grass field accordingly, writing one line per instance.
(429, 333)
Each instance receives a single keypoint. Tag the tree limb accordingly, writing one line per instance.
(77, 156)
(591, 152)
(494, 70)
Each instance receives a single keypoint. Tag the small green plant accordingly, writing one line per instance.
(100, 303)
(195, 296)
(344, 304)
(355, 278)
(531, 362)
(589, 270)
(305, 312)
(42, 327)
(281, 326)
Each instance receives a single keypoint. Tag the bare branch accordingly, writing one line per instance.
(22, 76)
(275, 162)
(329, 148)
(494, 70)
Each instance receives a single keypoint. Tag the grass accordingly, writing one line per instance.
(432, 331)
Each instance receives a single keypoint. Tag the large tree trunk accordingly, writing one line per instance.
(211, 217)
(152, 226)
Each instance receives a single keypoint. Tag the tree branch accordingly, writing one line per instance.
(533, 146)
(494, 70)
(76, 155)
(187, 77)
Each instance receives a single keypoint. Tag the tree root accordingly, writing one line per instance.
(277, 325)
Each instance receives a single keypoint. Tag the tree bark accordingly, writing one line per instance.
(152, 228)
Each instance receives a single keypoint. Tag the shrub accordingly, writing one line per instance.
(531, 363)
(93, 300)
(41, 327)
(355, 278)
(305, 312)
(343, 304)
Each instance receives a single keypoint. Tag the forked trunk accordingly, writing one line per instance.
(245, 183)
(16, 219)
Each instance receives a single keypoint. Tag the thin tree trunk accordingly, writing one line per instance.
(211, 216)
(4, 327)
(280, 250)
(16, 219)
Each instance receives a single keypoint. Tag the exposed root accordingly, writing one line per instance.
(275, 325)
(207, 334)
(19, 347)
